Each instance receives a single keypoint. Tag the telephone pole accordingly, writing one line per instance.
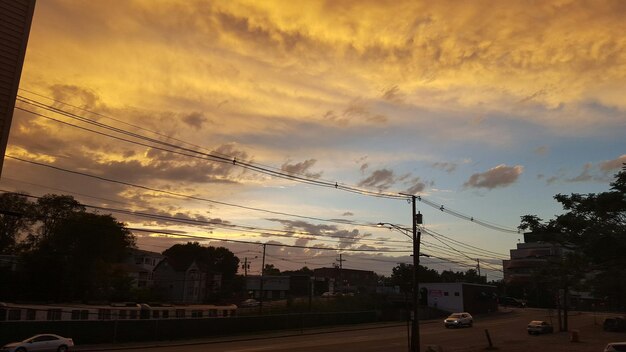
(261, 284)
(415, 329)
(340, 260)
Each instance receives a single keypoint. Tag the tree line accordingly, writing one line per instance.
(592, 229)
(64, 253)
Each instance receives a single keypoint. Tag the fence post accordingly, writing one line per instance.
(488, 339)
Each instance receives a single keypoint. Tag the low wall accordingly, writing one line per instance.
(117, 331)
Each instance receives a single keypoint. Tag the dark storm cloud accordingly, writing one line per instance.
(381, 179)
(195, 120)
(301, 168)
(83, 97)
(445, 166)
(415, 186)
(393, 95)
(499, 176)
(346, 238)
(584, 176)
(613, 165)
(354, 112)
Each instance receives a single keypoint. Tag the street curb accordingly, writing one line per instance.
(218, 340)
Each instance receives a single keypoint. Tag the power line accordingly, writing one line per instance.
(175, 194)
(178, 234)
(226, 226)
(255, 167)
(208, 156)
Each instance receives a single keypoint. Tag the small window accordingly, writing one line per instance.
(225, 312)
(31, 314)
(212, 312)
(196, 314)
(3, 314)
(155, 314)
(133, 314)
(180, 313)
(104, 314)
(75, 314)
(84, 314)
(445, 293)
(122, 314)
(15, 314)
(166, 314)
(456, 294)
(54, 314)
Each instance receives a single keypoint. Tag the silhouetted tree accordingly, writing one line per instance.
(75, 260)
(596, 225)
(217, 259)
(15, 218)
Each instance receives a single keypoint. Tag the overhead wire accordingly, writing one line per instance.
(267, 170)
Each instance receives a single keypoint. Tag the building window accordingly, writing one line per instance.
(445, 293)
(456, 294)
(166, 314)
(84, 314)
(104, 314)
(196, 314)
(212, 313)
(122, 314)
(31, 314)
(133, 314)
(54, 314)
(15, 314)
(75, 314)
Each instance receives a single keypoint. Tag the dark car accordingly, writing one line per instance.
(537, 327)
(512, 302)
(614, 324)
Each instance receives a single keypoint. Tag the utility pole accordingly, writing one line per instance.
(246, 266)
(341, 260)
(261, 284)
(478, 266)
(415, 333)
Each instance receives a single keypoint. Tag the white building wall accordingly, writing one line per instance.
(446, 296)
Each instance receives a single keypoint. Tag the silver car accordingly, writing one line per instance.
(615, 347)
(456, 320)
(42, 342)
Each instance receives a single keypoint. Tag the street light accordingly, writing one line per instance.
(416, 238)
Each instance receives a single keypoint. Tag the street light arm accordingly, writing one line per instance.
(391, 226)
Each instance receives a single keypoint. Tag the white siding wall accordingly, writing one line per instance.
(445, 296)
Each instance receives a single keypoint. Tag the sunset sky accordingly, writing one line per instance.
(488, 108)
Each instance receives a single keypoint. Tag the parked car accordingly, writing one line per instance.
(614, 324)
(512, 302)
(42, 342)
(615, 347)
(250, 302)
(537, 327)
(456, 320)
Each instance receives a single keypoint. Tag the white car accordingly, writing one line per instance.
(615, 347)
(250, 302)
(457, 320)
(42, 342)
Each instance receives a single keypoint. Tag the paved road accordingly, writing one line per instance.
(507, 330)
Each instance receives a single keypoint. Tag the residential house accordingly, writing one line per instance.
(185, 283)
(140, 266)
